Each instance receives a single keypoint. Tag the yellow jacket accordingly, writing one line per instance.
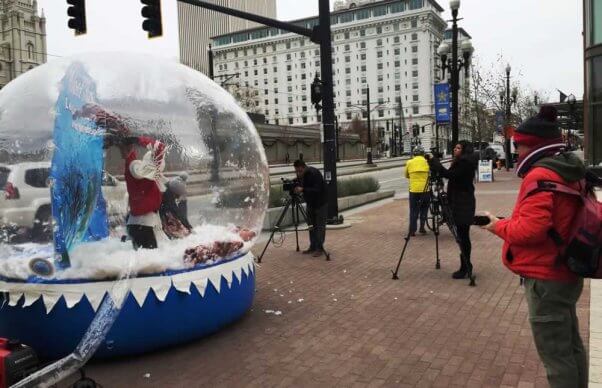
(417, 171)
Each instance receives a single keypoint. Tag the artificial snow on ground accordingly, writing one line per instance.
(110, 258)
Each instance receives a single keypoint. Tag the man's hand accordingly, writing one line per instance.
(493, 221)
(298, 190)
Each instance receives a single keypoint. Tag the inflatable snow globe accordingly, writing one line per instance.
(131, 185)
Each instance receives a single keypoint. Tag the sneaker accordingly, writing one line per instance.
(318, 253)
(308, 251)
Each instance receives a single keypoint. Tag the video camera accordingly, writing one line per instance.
(290, 184)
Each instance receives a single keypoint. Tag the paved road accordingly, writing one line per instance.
(391, 179)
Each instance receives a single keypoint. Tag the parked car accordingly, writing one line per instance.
(499, 149)
(25, 199)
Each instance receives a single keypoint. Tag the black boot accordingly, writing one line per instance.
(462, 272)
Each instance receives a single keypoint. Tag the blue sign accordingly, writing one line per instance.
(500, 118)
(442, 103)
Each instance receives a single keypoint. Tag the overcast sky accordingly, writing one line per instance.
(542, 39)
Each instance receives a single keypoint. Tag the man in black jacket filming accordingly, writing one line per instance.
(313, 188)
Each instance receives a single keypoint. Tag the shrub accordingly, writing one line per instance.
(357, 186)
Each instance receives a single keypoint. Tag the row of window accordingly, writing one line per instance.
(339, 18)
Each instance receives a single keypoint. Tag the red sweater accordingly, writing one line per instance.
(144, 194)
(528, 249)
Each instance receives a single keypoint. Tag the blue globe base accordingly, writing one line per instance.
(180, 318)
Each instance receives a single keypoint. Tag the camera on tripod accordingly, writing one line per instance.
(290, 185)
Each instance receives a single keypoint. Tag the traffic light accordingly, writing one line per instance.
(316, 92)
(77, 13)
(151, 12)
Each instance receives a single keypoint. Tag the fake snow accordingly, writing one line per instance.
(109, 258)
(278, 312)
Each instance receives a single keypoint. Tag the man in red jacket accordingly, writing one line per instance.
(533, 238)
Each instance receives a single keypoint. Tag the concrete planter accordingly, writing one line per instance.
(345, 203)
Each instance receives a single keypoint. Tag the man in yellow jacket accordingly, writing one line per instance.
(417, 171)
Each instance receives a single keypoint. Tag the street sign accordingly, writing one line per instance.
(442, 103)
(485, 171)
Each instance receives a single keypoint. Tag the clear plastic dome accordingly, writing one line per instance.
(106, 157)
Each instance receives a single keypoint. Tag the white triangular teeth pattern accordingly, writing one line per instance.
(140, 295)
(95, 299)
(139, 287)
(30, 299)
(14, 298)
(201, 286)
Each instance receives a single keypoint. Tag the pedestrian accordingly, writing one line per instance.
(417, 171)
(313, 188)
(460, 191)
(174, 209)
(531, 247)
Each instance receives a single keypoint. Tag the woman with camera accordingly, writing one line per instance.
(460, 191)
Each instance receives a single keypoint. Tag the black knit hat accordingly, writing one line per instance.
(544, 125)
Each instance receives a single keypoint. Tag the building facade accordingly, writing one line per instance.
(386, 46)
(196, 25)
(593, 81)
(23, 38)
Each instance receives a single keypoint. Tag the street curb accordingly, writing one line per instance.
(345, 203)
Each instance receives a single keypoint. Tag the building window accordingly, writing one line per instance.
(415, 98)
(346, 36)
(414, 22)
(415, 85)
(363, 57)
(396, 39)
(304, 120)
(347, 59)
(348, 115)
(347, 48)
(380, 89)
(348, 70)
(397, 88)
(414, 61)
(363, 45)
(381, 113)
(416, 110)
(380, 78)
(379, 54)
(415, 73)
(348, 93)
(363, 68)
(379, 66)
(397, 63)
(414, 49)
(290, 121)
(416, 4)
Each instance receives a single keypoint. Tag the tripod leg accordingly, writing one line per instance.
(274, 229)
(403, 251)
(295, 209)
(436, 231)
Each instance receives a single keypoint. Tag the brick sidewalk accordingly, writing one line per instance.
(346, 323)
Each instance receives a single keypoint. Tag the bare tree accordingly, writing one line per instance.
(247, 98)
(359, 127)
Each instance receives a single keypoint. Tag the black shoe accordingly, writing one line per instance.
(308, 251)
(423, 231)
(462, 273)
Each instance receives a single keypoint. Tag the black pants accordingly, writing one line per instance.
(419, 208)
(316, 216)
(464, 241)
(142, 236)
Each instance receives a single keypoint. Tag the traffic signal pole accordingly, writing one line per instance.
(321, 35)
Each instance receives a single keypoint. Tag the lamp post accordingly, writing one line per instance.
(506, 102)
(571, 101)
(455, 65)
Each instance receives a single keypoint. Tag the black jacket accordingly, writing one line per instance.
(314, 187)
(460, 188)
(178, 210)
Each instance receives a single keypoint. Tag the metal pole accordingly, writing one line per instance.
(210, 61)
(337, 132)
(508, 113)
(401, 131)
(369, 161)
(455, 75)
(330, 157)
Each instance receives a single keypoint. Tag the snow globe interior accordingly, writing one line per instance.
(107, 159)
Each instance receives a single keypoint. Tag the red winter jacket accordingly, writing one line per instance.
(144, 194)
(528, 249)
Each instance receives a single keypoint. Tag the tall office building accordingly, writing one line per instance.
(22, 38)
(197, 25)
(388, 46)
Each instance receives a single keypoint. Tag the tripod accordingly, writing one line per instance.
(293, 203)
(440, 213)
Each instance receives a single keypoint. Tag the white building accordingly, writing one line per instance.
(22, 38)
(388, 46)
(196, 25)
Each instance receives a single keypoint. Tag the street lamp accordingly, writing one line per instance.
(571, 101)
(509, 103)
(455, 66)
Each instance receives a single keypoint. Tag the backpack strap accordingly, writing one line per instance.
(551, 186)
